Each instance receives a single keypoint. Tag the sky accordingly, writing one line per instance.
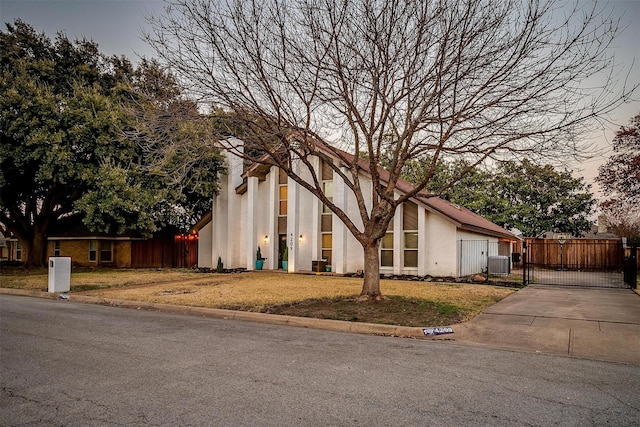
(116, 25)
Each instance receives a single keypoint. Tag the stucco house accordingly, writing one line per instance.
(260, 206)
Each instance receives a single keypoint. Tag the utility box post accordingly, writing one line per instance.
(59, 274)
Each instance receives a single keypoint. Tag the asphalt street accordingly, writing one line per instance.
(64, 363)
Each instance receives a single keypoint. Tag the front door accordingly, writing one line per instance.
(282, 244)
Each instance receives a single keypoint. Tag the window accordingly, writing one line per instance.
(386, 250)
(93, 250)
(282, 211)
(283, 196)
(410, 229)
(327, 244)
(327, 189)
(106, 251)
(18, 251)
(283, 193)
(56, 248)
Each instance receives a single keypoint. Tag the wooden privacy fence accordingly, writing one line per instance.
(175, 251)
(574, 254)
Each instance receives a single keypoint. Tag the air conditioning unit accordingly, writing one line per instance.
(499, 264)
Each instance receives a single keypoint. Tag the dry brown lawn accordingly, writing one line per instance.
(407, 303)
(263, 291)
(84, 279)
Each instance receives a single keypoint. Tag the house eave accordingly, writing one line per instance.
(121, 239)
(487, 232)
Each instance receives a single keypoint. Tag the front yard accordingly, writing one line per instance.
(406, 303)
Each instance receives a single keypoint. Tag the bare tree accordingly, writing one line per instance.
(472, 79)
(623, 218)
(620, 181)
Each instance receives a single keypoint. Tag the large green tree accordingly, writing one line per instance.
(68, 120)
(524, 195)
(537, 198)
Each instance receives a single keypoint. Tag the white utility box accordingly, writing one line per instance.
(59, 274)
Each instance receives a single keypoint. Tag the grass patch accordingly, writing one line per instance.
(393, 309)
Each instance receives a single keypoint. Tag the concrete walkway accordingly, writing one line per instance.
(591, 323)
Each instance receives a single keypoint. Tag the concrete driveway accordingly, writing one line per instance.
(593, 323)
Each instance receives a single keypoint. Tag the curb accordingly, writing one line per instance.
(245, 316)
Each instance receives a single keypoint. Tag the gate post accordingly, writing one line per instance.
(524, 263)
(631, 268)
(633, 265)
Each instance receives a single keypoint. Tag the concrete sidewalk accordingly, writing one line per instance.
(591, 323)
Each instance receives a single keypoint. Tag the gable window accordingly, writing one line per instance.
(106, 251)
(93, 250)
(56, 248)
(410, 230)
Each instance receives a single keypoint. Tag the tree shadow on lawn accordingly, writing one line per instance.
(390, 310)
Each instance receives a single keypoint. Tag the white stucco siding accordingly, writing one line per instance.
(219, 230)
(355, 252)
(440, 248)
(205, 256)
(468, 235)
(306, 230)
(235, 213)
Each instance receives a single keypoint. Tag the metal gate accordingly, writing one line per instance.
(575, 262)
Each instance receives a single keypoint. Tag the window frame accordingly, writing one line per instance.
(386, 250)
(326, 215)
(93, 251)
(406, 249)
(103, 251)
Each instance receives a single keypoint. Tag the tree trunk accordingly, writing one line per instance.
(34, 251)
(371, 285)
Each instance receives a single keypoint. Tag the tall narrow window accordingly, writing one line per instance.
(283, 196)
(56, 248)
(386, 250)
(283, 200)
(93, 250)
(326, 224)
(410, 229)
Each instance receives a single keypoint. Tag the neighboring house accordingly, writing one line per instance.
(262, 207)
(12, 250)
(4, 248)
(71, 238)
